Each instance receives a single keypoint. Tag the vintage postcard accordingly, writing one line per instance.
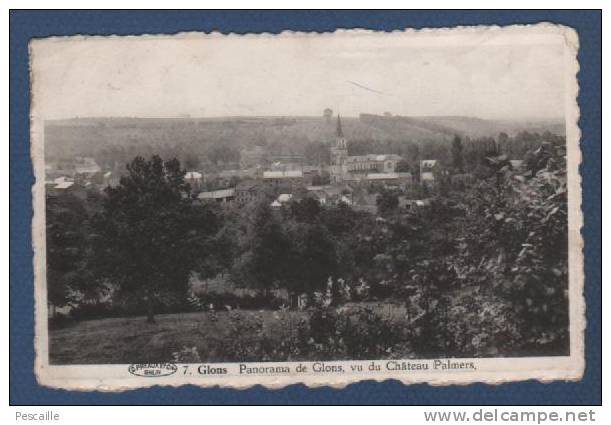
(316, 208)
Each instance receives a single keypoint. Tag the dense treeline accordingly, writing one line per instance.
(213, 146)
(480, 271)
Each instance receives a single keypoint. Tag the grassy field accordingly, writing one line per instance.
(132, 340)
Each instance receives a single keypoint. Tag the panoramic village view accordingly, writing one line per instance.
(305, 238)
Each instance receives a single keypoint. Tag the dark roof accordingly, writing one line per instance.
(364, 199)
(247, 185)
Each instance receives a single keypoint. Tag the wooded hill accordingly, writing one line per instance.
(281, 135)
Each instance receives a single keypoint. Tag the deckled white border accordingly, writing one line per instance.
(116, 378)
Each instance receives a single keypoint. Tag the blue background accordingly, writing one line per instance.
(25, 25)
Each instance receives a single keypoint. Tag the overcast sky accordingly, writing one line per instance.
(489, 75)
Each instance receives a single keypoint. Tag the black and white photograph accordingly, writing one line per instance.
(305, 207)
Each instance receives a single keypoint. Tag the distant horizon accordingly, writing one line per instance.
(216, 117)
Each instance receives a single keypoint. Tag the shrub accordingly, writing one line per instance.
(476, 326)
(59, 321)
(89, 311)
(354, 333)
(231, 301)
(186, 355)
(128, 306)
(243, 341)
(344, 333)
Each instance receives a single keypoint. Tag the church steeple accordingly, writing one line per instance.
(339, 132)
(339, 154)
(340, 140)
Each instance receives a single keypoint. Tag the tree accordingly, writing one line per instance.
(387, 201)
(220, 154)
(149, 236)
(532, 229)
(266, 255)
(457, 156)
(317, 153)
(513, 247)
(504, 142)
(217, 241)
(66, 218)
(321, 179)
(307, 210)
(191, 162)
(402, 166)
(314, 260)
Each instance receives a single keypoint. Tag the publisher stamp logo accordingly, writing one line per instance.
(152, 370)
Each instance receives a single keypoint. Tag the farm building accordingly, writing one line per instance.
(222, 195)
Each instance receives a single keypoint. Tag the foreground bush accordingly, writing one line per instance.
(324, 333)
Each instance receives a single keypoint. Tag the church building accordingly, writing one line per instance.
(355, 168)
